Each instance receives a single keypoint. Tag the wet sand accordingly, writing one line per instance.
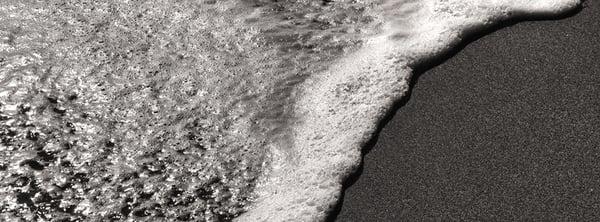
(507, 129)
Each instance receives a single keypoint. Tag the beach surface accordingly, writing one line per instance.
(507, 129)
(250, 110)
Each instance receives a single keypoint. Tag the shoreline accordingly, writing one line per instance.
(398, 181)
(342, 111)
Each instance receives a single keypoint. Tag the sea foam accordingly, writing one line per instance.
(214, 110)
(339, 109)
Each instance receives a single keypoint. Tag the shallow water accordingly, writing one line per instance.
(166, 109)
(204, 110)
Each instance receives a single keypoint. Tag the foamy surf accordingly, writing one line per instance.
(207, 110)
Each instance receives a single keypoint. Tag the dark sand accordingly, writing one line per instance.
(507, 129)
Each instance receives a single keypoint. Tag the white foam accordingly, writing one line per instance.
(339, 109)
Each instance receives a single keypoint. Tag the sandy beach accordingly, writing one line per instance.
(507, 129)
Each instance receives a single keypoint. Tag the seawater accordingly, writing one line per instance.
(208, 110)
